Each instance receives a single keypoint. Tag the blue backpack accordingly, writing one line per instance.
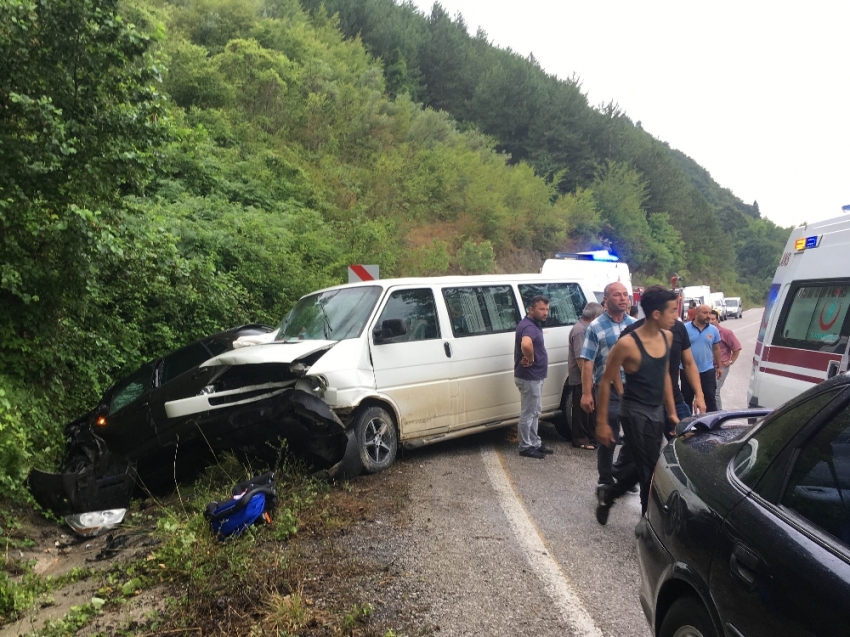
(252, 503)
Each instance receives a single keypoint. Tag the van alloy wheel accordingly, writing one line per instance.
(377, 439)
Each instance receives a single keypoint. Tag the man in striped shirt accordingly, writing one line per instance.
(600, 337)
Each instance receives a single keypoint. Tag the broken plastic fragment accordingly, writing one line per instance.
(94, 522)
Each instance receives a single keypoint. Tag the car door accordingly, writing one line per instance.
(178, 376)
(783, 563)
(127, 427)
(412, 362)
(483, 322)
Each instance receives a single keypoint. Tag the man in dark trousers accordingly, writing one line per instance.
(583, 435)
(531, 364)
(648, 394)
(705, 347)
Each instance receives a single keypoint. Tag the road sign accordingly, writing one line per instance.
(357, 273)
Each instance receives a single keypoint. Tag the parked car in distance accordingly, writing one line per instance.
(175, 406)
(748, 527)
(734, 307)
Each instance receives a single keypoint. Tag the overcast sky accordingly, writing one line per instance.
(755, 91)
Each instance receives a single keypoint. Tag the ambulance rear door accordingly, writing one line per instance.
(803, 339)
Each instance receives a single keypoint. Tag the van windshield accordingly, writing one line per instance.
(334, 315)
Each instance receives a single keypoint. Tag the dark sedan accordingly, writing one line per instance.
(748, 528)
(164, 416)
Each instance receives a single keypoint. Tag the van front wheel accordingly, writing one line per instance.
(377, 439)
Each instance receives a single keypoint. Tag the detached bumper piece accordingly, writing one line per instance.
(81, 492)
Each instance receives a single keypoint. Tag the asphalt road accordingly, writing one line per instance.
(506, 545)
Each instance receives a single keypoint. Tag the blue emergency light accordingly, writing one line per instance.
(593, 255)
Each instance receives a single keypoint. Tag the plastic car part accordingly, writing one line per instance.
(95, 522)
(712, 420)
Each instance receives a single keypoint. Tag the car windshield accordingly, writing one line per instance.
(334, 315)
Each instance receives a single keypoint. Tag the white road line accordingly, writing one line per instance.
(743, 327)
(555, 580)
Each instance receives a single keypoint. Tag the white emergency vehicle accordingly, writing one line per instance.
(804, 331)
(596, 269)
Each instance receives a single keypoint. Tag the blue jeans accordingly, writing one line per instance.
(531, 405)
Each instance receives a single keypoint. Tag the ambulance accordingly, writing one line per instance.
(804, 331)
(597, 269)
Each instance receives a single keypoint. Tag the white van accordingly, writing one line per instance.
(597, 269)
(804, 332)
(734, 307)
(419, 360)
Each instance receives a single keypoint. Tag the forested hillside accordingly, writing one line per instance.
(174, 168)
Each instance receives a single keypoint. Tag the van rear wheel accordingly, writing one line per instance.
(377, 439)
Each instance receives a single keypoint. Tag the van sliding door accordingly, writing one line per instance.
(411, 362)
(483, 322)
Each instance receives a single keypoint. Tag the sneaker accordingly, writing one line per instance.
(546, 450)
(604, 502)
(532, 452)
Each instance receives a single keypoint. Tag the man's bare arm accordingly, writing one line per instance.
(716, 351)
(587, 385)
(669, 401)
(527, 347)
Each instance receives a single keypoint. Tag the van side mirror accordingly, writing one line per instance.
(389, 328)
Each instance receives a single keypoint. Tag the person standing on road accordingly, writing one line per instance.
(705, 347)
(601, 335)
(648, 394)
(680, 354)
(730, 349)
(583, 435)
(531, 364)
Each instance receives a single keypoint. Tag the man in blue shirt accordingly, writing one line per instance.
(601, 335)
(531, 364)
(705, 347)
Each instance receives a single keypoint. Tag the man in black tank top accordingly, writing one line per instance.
(643, 355)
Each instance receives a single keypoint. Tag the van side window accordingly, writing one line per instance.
(416, 311)
(481, 310)
(815, 317)
(566, 301)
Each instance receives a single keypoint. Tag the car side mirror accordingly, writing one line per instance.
(389, 328)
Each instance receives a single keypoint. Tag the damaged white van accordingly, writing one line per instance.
(413, 361)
